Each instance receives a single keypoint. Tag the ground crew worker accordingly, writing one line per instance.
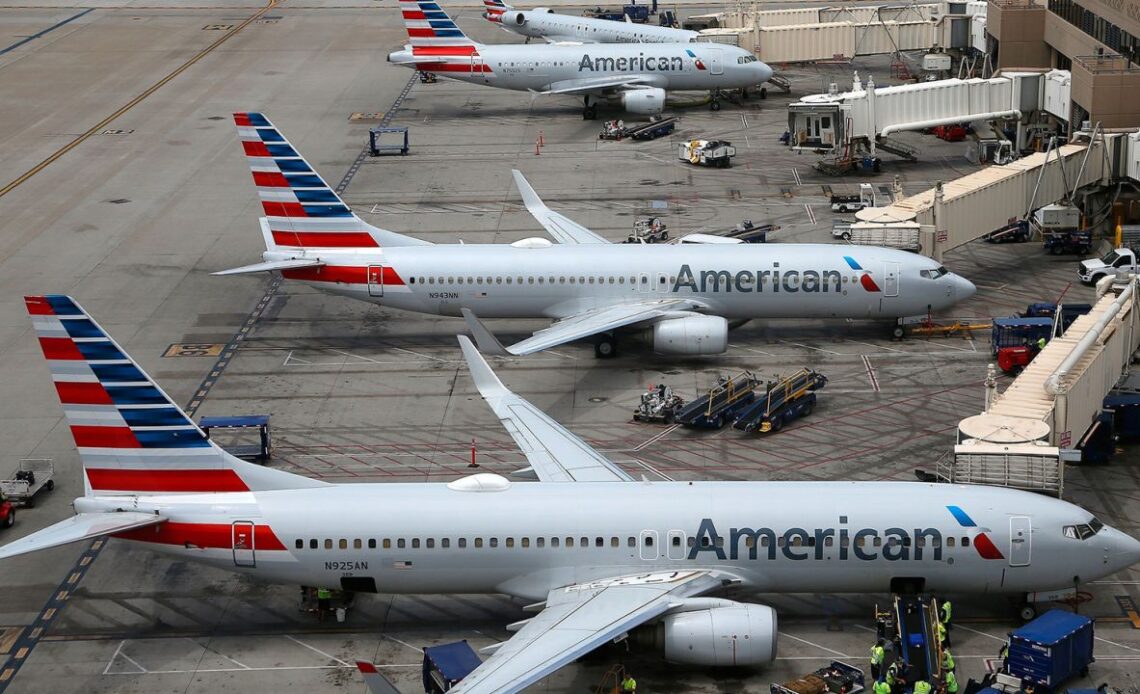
(877, 655)
(1041, 343)
(951, 682)
(943, 635)
(892, 673)
(922, 687)
(948, 663)
(881, 687)
(1004, 655)
(628, 684)
(324, 602)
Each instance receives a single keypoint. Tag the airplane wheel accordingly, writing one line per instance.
(777, 424)
(763, 92)
(30, 502)
(605, 347)
(50, 485)
(718, 423)
(898, 332)
(714, 106)
(590, 113)
(11, 519)
(1027, 612)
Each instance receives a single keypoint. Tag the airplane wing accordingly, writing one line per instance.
(83, 526)
(555, 454)
(563, 230)
(579, 618)
(600, 321)
(270, 266)
(593, 85)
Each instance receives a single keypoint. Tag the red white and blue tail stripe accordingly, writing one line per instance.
(131, 437)
(493, 10)
(429, 25)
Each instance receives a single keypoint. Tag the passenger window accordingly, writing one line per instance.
(510, 542)
(300, 544)
(764, 541)
(357, 544)
(965, 541)
(585, 542)
(780, 541)
(328, 544)
(526, 542)
(569, 542)
(877, 542)
(372, 543)
(599, 542)
(478, 542)
(553, 542)
(828, 541)
(401, 543)
(676, 541)
(950, 542)
(648, 540)
(430, 543)
(691, 542)
(312, 544)
(343, 544)
(631, 542)
(614, 542)
(387, 543)
(494, 542)
(415, 543)
(462, 543)
(445, 543)
(797, 541)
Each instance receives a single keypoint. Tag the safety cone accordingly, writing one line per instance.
(537, 144)
(541, 139)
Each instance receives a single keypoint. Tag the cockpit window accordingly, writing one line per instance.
(744, 59)
(934, 274)
(1083, 531)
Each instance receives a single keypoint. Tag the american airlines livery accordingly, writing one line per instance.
(598, 553)
(544, 23)
(684, 295)
(635, 75)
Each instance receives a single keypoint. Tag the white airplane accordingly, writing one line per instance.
(634, 75)
(685, 294)
(598, 553)
(545, 23)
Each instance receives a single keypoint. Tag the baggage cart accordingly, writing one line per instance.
(447, 664)
(29, 478)
(836, 678)
(659, 404)
(1051, 649)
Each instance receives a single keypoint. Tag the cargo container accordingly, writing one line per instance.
(1052, 648)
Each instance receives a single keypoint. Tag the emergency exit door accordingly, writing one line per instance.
(649, 549)
(242, 538)
(890, 279)
(1020, 532)
(375, 280)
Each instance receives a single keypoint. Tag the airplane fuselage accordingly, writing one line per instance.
(528, 538)
(541, 23)
(670, 66)
(737, 281)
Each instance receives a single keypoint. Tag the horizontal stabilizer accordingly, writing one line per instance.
(271, 266)
(80, 527)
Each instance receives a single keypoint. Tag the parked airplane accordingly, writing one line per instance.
(634, 75)
(545, 23)
(684, 294)
(640, 553)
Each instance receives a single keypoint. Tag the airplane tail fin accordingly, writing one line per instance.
(131, 437)
(493, 10)
(432, 32)
(377, 682)
(301, 211)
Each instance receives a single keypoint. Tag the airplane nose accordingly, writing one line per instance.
(963, 288)
(765, 73)
(1128, 549)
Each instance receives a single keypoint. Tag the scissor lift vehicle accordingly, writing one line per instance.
(721, 404)
(782, 401)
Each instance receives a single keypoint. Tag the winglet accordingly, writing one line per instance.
(485, 379)
(488, 343)
(534, 204)
(377, 683)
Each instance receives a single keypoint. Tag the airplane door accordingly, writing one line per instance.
(643, 283)
(1020, 532)
(649, 550)
(890, 279)
(478, 67)
(375, 280)
(242, 537)
(716, 61)
(676, 547)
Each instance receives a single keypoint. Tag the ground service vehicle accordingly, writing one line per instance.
(867, 197)
(28, 479)
(1014, 232)
(7, 512)
(1119, 261)
(447, 664)
(649, 230)
(1051, 649)
(655, 128)
(718, 153)
(836, 678)
(782, 401)
(659, 404)
(1014, 341)
(724, 401)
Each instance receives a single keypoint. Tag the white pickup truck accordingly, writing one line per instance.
(1119, 261)
(867, 197)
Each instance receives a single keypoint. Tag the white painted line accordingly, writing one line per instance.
(744, 120)
(756, 351)
(874, 346)
(818, 349)
(655, 439)
(403, 643)
(943, 344)
(871, 374)
(796, 175)
(816, 645)
(1118, 645)
(655, 471)
(810, 214)
(261, 669)
(243, 666)
(117, 654)
(318, 651)
(975, 631)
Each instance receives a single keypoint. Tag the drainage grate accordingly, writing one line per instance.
(116, 132)
(217, 27)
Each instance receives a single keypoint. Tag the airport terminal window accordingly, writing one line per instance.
(1097, 27)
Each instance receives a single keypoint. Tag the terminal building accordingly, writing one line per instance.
(1097, 40)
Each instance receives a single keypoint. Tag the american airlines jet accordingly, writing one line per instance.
(544, 23)
(634, 75)
(597, 553)
(684, 295)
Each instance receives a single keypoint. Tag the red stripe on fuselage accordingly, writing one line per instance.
(152, 480)
(325, 239)
(452, 67)
(204, 535)
(343, 274)
(986, 547)
(104, 437)
(60, 348)
(72, 393)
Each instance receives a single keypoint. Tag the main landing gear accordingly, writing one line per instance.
(589, 111)
(714, 100)
(605, 346)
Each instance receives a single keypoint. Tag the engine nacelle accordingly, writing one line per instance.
(730, 634)
(691, 335)
(649, 101)
(519, 19)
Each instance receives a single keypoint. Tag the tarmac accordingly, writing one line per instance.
(125, 186)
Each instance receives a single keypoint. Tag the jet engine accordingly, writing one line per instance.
(691, 335)
(519, 18)
(648, 101)
(543, 10)
(717, 632)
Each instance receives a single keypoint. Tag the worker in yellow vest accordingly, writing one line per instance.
(951, 682)
(878, 653)
(922, 687)
(948, 663)
(881, 687)
(628, 684)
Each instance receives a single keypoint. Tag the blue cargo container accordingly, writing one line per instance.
(1051, 648)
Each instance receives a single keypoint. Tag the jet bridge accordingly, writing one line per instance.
(1044, 417)
(955, 213)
